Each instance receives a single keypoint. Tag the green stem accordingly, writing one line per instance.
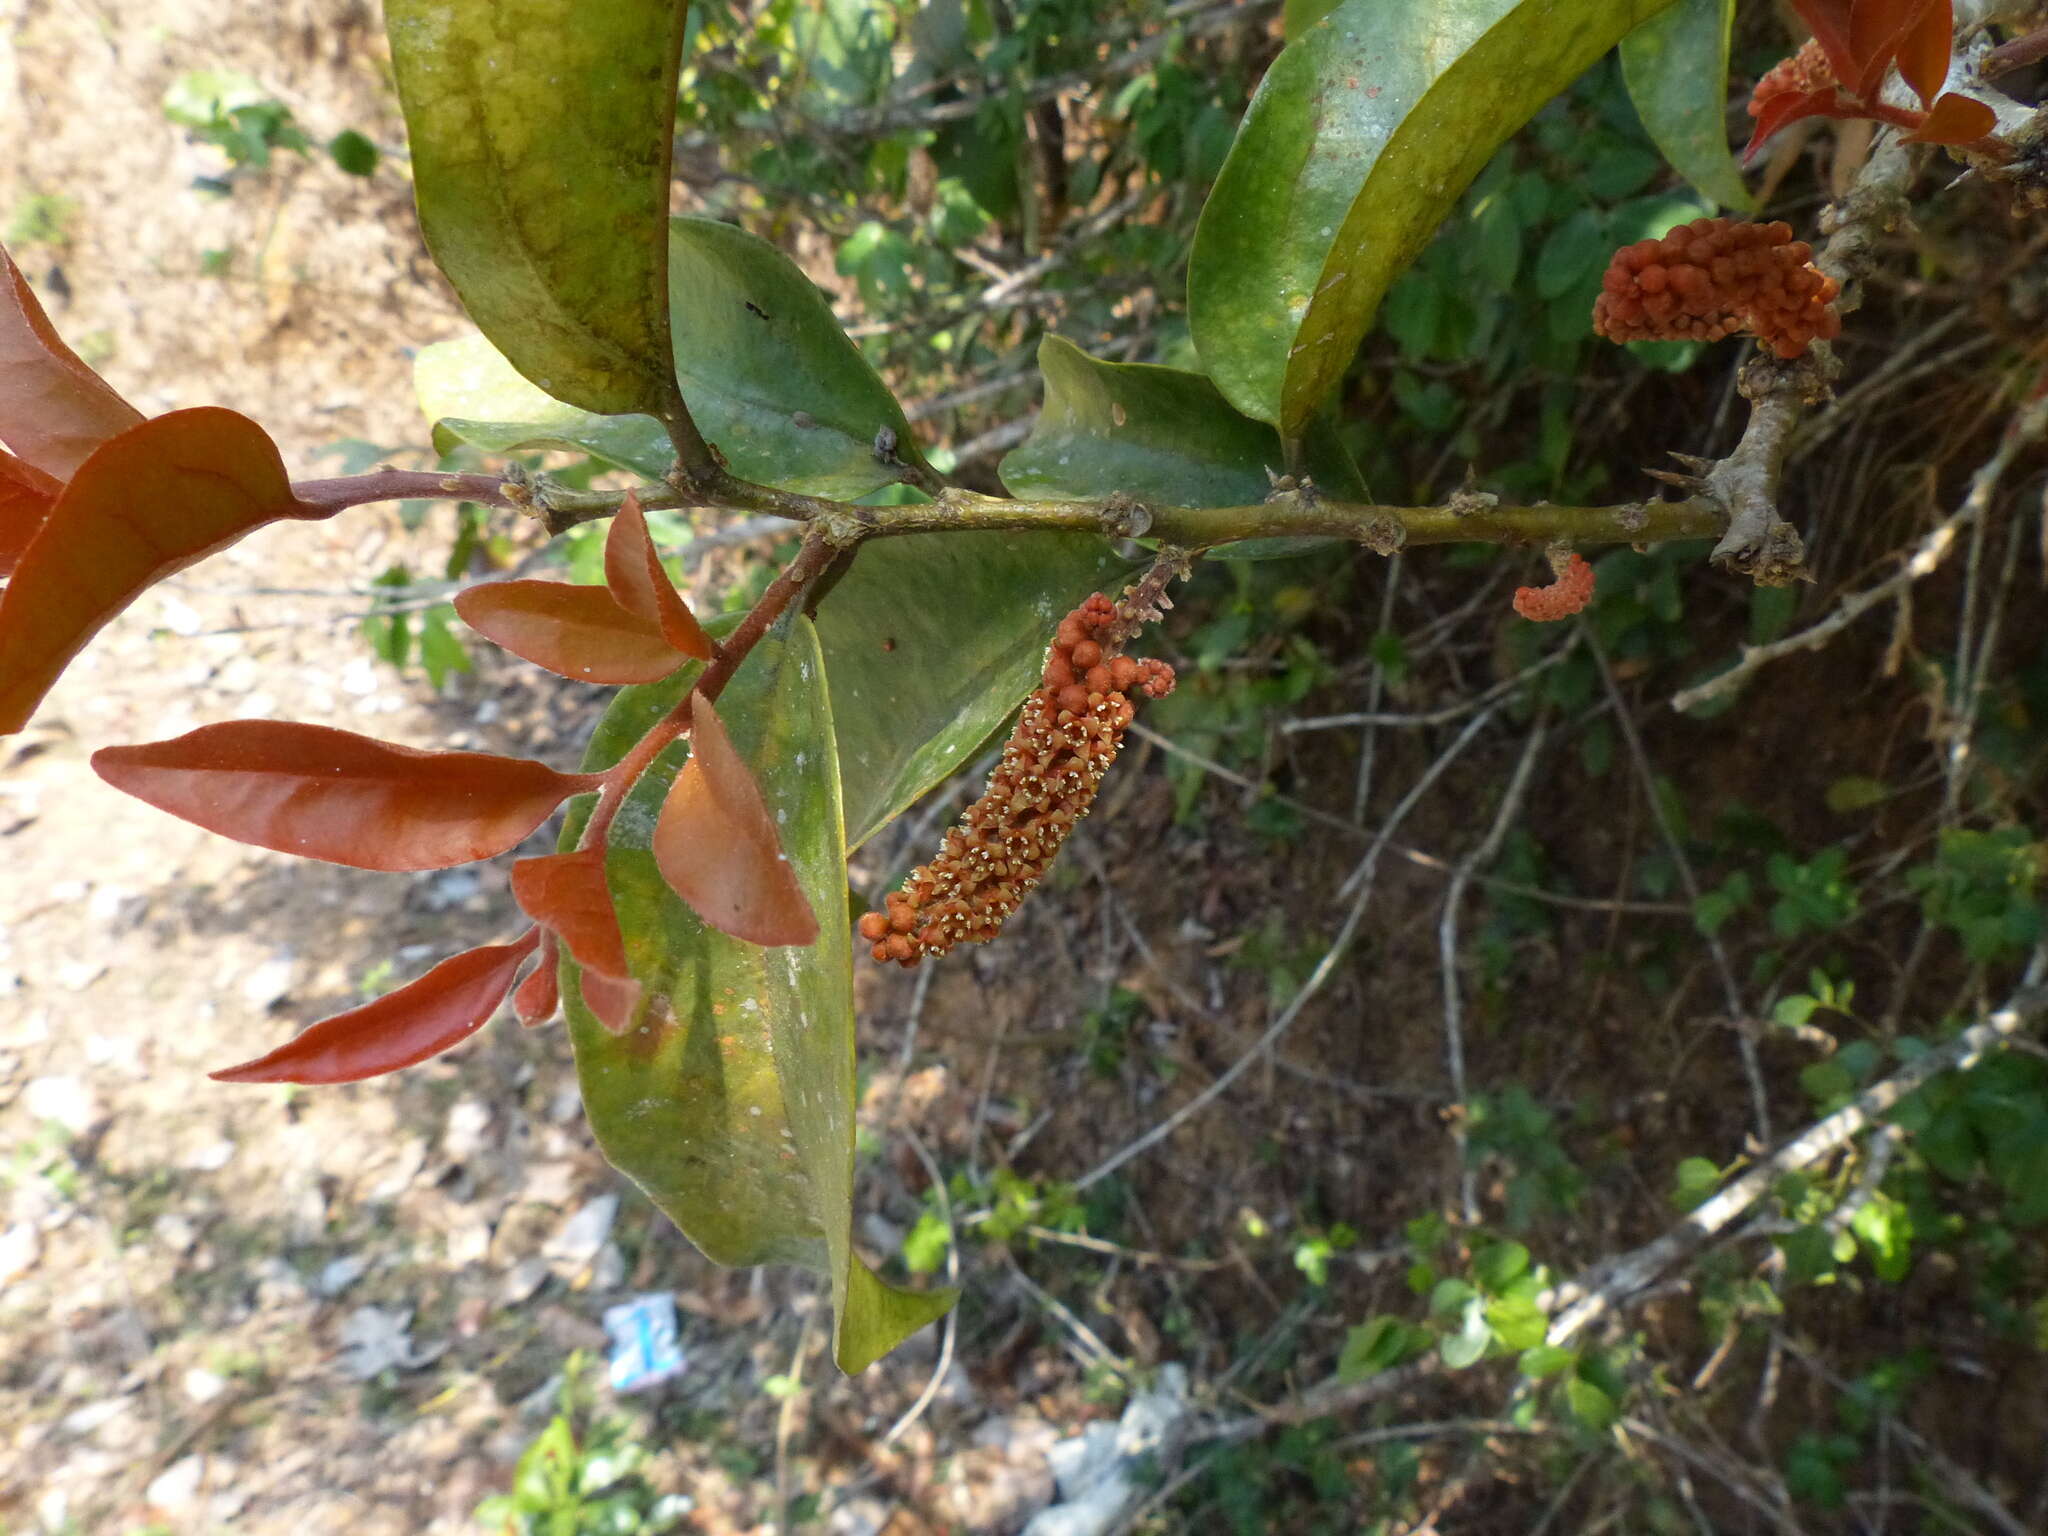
(1465, 519)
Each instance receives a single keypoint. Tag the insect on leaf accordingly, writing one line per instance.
(327, 794)
(717, 846)
(422, 1018)
(574, 631)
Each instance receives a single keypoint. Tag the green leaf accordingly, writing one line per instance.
(1576, 251)
(441, 649)
(1676, 68)
(540, 151)
(1856, 792)
(1297, 16)
(730, 1101)
(1886, 1227)
(1498, 1265)
(473, 395)
(1517, 1321)
(1363, 135)
(1590, 1406)
(1160, 435)
(1469, 1343)
(931, 641)
(1545, 1360)
(353, 153)
(1696, 1180)
(770, 376)
(1376, 1345)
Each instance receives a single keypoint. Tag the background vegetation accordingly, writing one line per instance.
(1608, 953)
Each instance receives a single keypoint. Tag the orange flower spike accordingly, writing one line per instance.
(1714, 277)
(1066, 736)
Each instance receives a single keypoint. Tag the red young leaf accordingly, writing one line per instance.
(1954, 119)
(53, 409)
(334, 795)
(1913, 33)
(611, 998)
(1830, 23)
(26, 496)
(422, 1018)
(1789, 108)
(145, 505)
(633, 572)
(717, 846)
(1925, 47)
(539, 995)
(575, 631)
(566, 894)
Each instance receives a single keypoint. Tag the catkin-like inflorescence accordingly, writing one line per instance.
(1806, 71)
(1566, 595)
(1065, 739)
(1714, 277)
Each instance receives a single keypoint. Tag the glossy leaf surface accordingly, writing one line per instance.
(717, 846)
(472, 395)
(26, 497)
(1676, 68)
(321, 793)
(574, 631)
(143, 506)
(1363, 135)
(540, 138)
(731, 1100)
(421, 1019)
(637, 582)
(53, 409)
(1159, 434)
(770, 376)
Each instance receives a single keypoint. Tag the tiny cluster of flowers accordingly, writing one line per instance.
(1714, 277)
(1797, 74)
(1565, 596)
(1066, 737)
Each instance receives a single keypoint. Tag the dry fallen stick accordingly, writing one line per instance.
(1612, 1285)
(1582, 1301)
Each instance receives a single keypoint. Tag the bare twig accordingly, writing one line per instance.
(2027, 425)
(1504, 817)
(1582, 1301)
(1731, 990)
(917, 1409)
(1362, 879)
